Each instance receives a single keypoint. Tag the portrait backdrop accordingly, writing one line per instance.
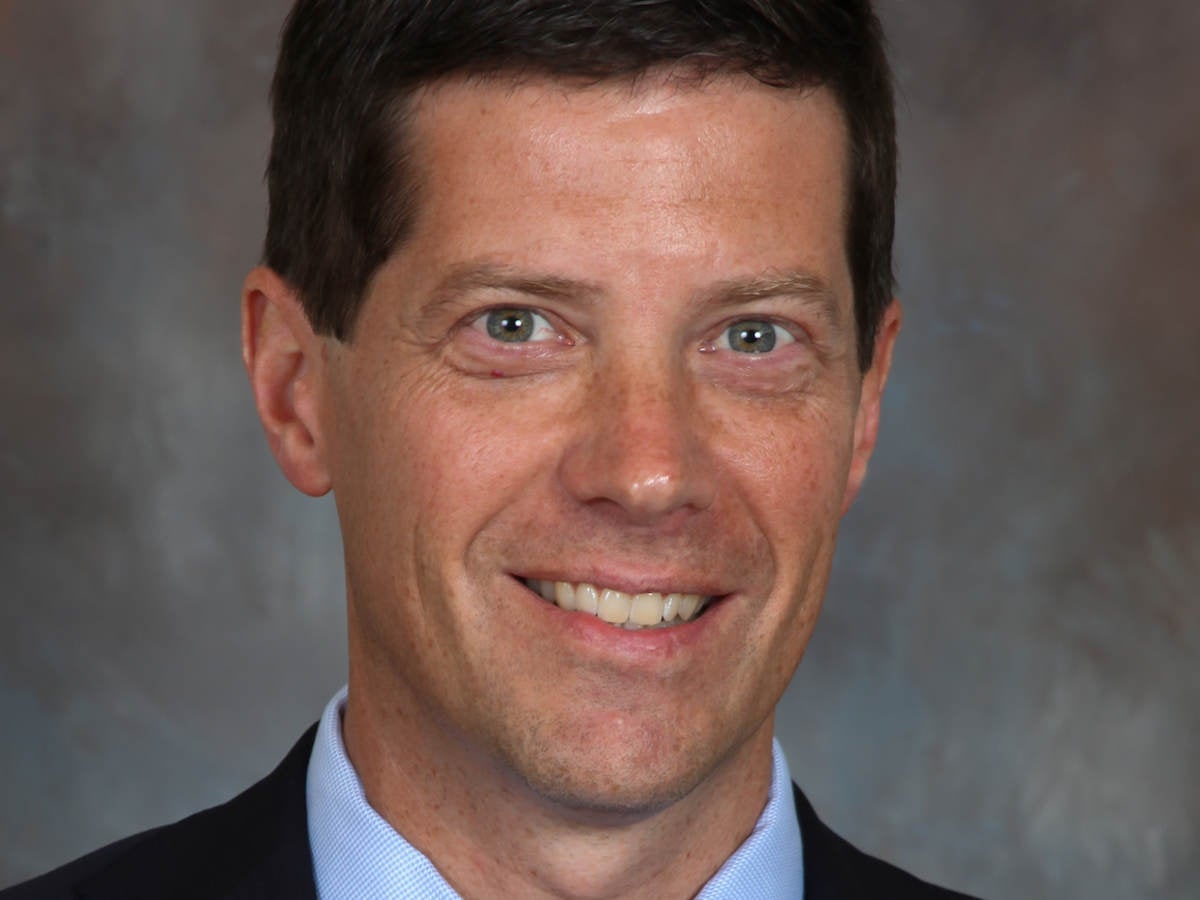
(1003, 693)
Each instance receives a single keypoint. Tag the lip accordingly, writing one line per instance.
(647, 647)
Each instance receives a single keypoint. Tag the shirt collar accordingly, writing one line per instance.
(358, 854)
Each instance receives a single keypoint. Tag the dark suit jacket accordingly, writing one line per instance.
(256, 846)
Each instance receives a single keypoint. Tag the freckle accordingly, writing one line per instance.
(496, 373)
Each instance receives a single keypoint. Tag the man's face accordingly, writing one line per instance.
(617, 350)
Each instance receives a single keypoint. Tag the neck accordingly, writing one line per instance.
(490, 835)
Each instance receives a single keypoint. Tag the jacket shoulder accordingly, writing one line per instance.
(835, 868)
(61, 882)
(255, 845)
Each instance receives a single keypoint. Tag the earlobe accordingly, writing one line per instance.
(866, 424)
(283, 358)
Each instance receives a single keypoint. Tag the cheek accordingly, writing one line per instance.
(461, 453)
(794, 457)
(790, 468)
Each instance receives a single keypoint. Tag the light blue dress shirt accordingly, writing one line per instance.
(356, 854)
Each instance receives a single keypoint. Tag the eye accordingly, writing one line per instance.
(516, 325)
(753, 336)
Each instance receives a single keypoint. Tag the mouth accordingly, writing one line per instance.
(633, 612)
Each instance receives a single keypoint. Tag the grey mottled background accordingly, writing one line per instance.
(1004, 693)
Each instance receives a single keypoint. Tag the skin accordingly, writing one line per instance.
(528, 751)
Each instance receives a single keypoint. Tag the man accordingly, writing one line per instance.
(583, 312)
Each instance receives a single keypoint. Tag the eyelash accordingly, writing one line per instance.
(540, 326)
(782, 335)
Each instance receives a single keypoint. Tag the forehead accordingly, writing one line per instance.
(726, 173)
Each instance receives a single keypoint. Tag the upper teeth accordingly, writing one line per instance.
(619, 608)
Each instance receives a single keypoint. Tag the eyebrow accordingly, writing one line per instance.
(805, 286)
(468, 277)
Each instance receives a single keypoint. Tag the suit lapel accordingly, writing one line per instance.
(828, 870)
(835, 869)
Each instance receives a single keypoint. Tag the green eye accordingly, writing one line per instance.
(751, 336)
(513, 326)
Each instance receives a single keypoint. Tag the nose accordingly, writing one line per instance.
(639, 445)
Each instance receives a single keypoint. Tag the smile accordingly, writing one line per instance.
(631, 611)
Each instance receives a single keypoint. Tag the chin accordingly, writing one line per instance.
(609, 795)
(617, 778)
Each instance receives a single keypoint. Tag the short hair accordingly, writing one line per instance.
(343, 193)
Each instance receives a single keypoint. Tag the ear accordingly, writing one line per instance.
(866, 423)
(285, 361)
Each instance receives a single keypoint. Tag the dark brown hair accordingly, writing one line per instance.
(342, 192)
